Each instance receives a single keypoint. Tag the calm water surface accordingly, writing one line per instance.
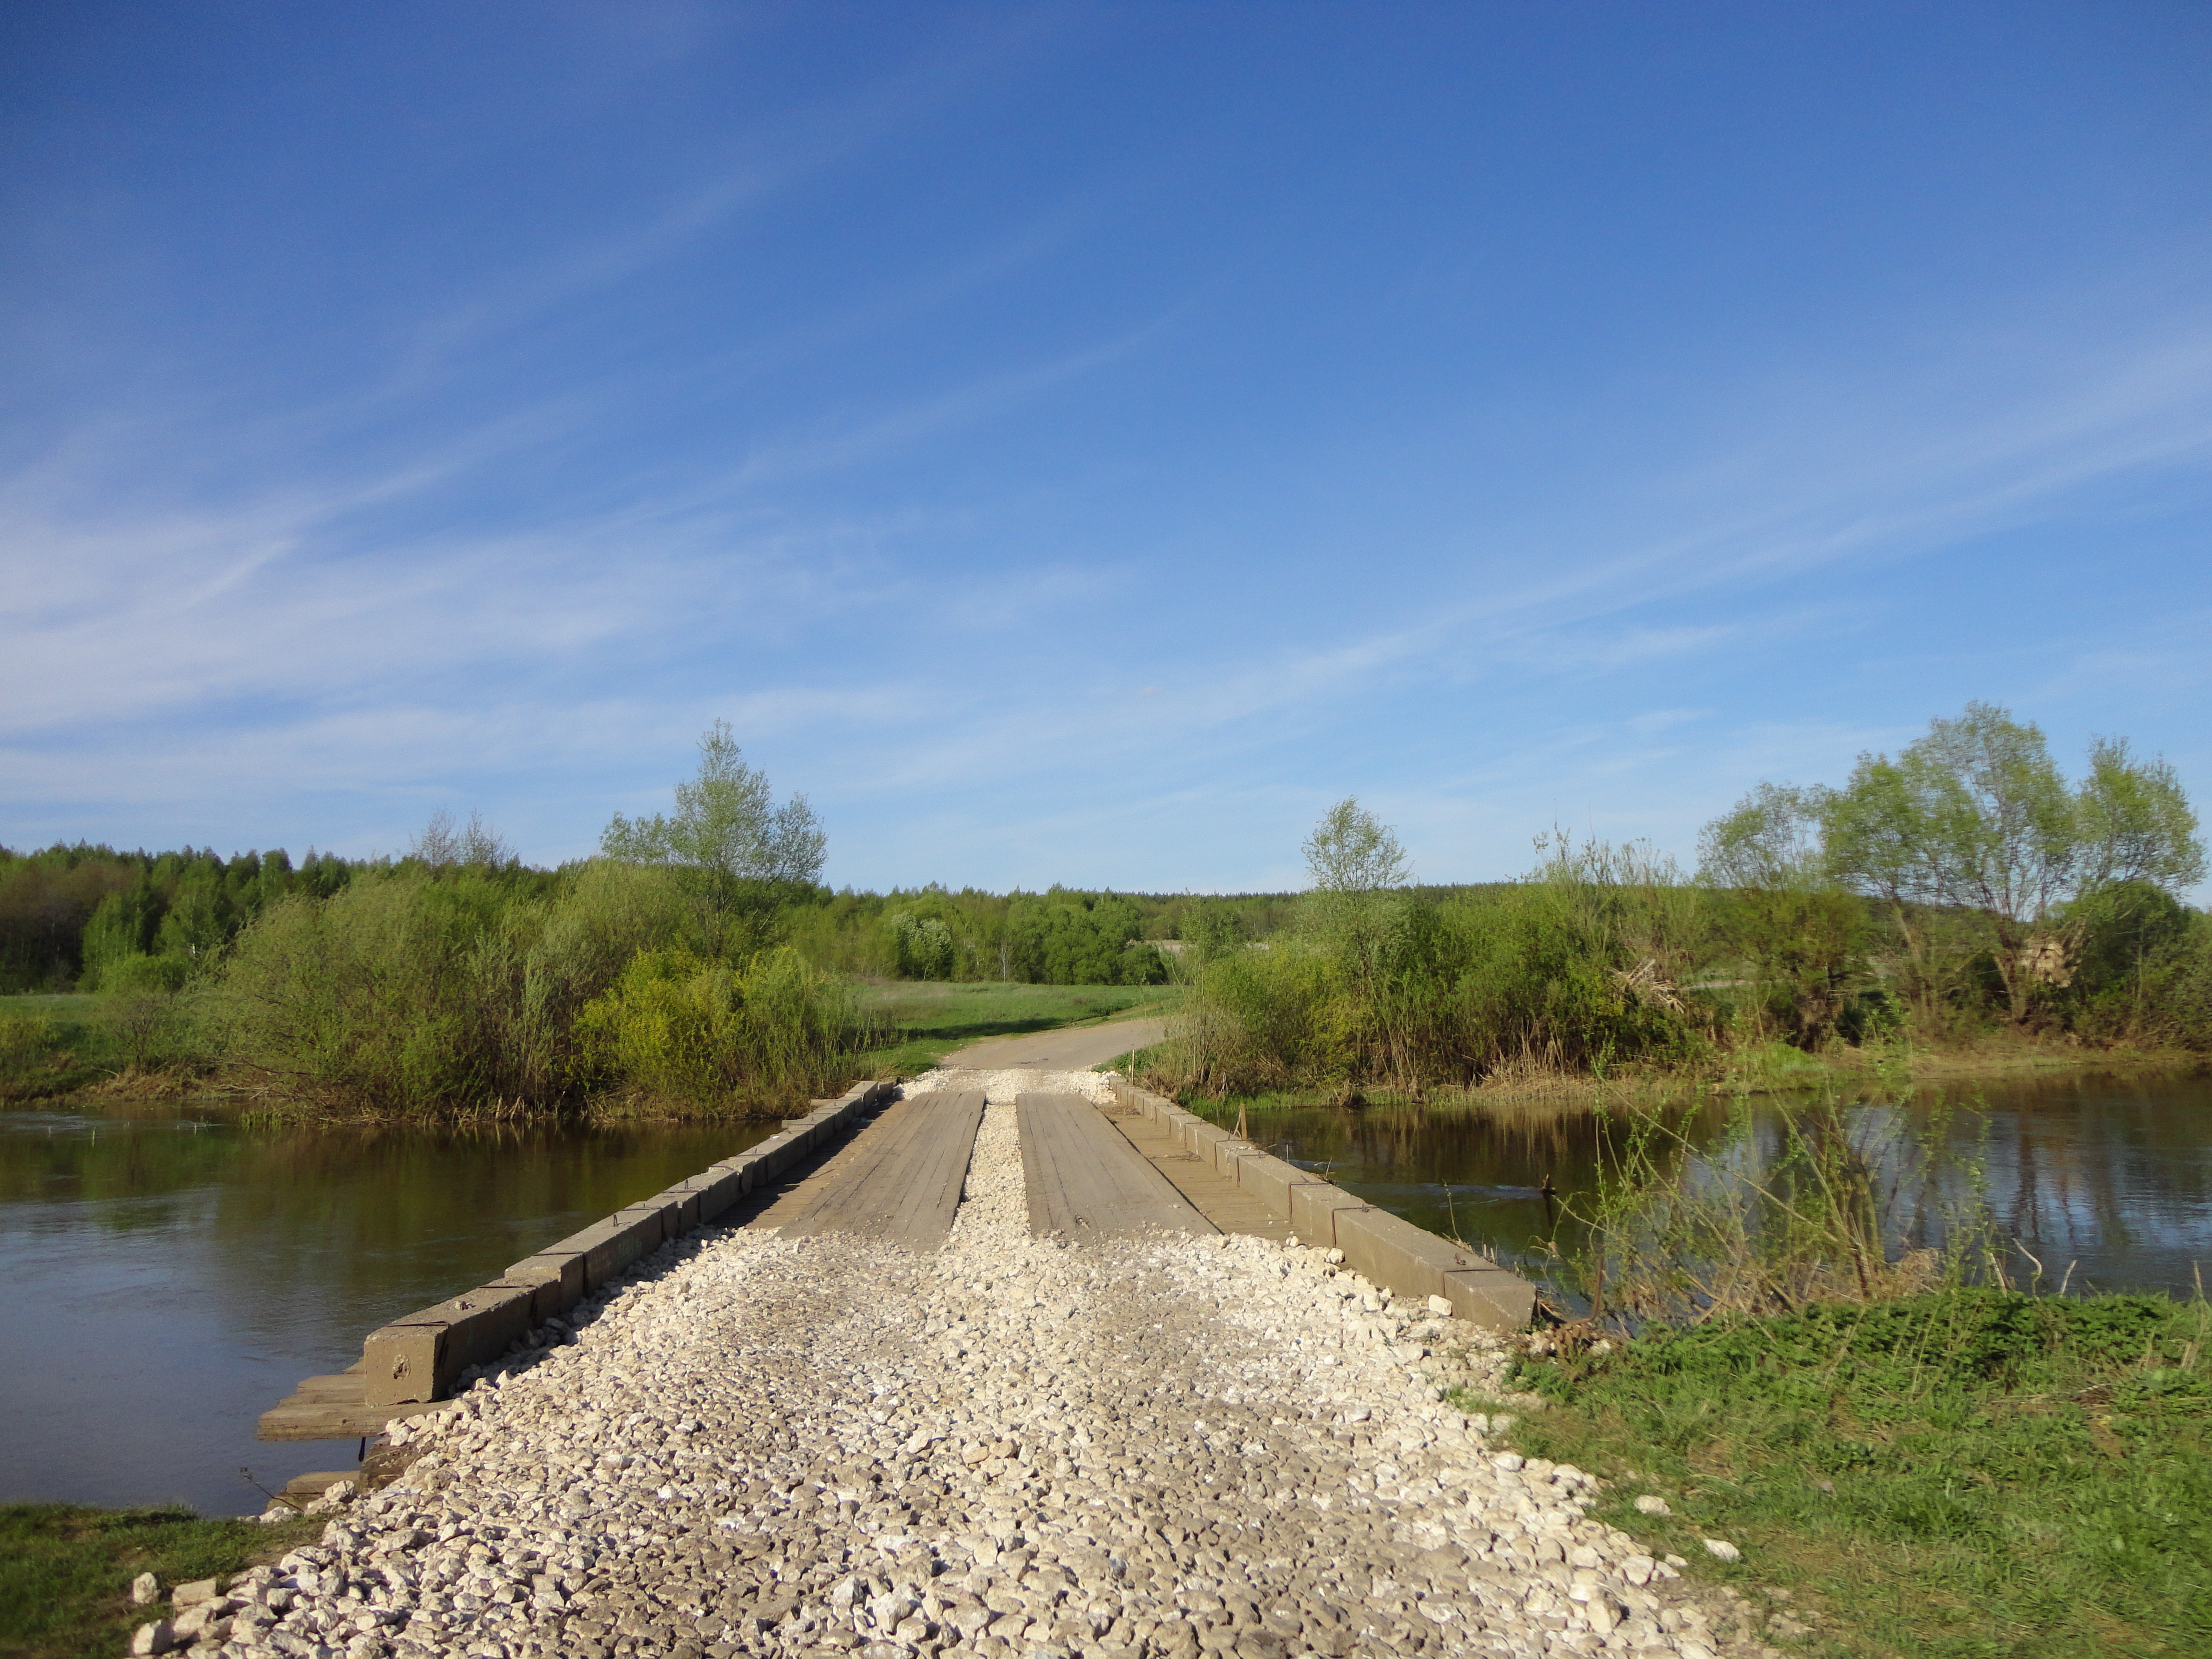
(2109, 1175)
(164, 1279)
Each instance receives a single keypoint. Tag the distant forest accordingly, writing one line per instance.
(88, 917)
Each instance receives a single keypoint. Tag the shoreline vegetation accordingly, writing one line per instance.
(1960, 909)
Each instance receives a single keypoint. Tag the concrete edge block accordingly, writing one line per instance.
(666, 1215)
(713, 1192)
(683, 1199)
(1269, 1179)
(1199, 1137)
(1229, 1154)
(430, 1349)
(1391, 1252)
(1314, 1208)
(1490, 1297)
(556, 1279)
(399, 1363)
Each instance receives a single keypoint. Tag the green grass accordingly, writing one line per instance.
(933, 1019)
(1966, 1474)
(66, 1572)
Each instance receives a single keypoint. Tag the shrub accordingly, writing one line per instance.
(703, 1032)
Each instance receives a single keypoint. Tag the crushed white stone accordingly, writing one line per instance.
(1012, 1446)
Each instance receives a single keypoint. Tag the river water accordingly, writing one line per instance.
(166, 1276)
(2105, 1178)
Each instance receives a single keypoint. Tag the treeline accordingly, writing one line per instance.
(1063, 936)
(1962, 888)
(71, 916)
(455, 978)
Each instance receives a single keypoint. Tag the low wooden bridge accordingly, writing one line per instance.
(877, 1165)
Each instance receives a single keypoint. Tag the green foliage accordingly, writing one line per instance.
(922, 946)
(740, 857)
(1776, 908)
(67, 912)
(411, 990)
(1976, 818)
(1064, 937)
(1574, 969)
(26, 1041)
(66, 1572)
(1963, 1473)
(678, 1025)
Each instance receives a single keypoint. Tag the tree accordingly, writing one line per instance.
(1975, 816)
(728, 835)
(1351, 852)
(1780, 906)
(442, 843)
(1355, 866)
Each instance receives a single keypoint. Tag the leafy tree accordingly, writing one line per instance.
(1779, 906)
(738, 850)
(1975, 816)
(923, 946)
(1355, 866)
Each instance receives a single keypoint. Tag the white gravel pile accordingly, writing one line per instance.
(1010, 1447)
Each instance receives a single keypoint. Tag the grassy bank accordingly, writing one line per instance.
(931, 1021)
(1965, 1474)
(66, 1572)
(1874, 1072)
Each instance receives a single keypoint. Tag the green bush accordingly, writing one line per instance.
(25, 1041)
(714, 1036)
(1574, 969)
(412, 990)
(138, 973)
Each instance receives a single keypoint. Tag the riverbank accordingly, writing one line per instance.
(1875, 1071)
(66, 1570)
(55, 1047)
(1962, 1473)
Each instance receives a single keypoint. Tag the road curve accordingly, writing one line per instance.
(1076, 1049)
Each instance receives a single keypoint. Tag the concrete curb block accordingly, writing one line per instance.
(419, 1357)
(1384, 1249)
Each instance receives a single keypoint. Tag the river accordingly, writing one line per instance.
(170, 1275)
(167, 1277)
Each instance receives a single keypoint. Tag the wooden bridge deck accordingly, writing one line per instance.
(1213, 1194)
(900, 1179)
(1082, 1179)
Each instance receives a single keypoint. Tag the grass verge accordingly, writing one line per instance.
(66, 1572)
(1964, 1474)
(933, 1020)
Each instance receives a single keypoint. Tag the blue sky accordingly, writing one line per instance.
(1081, 443)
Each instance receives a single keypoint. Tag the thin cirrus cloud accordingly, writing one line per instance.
(1059, 472)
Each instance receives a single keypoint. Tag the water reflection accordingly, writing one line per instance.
(2110, 1175)
(168, 1278)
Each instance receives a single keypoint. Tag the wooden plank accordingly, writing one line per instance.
(332, 1408)
(329, 1421)
(900, 1179)
(1083, 1178)
(1213, 1194)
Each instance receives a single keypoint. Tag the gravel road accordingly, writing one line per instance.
(1011, 1446)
